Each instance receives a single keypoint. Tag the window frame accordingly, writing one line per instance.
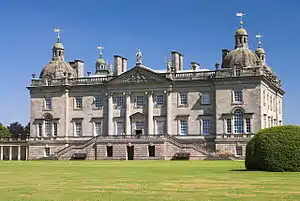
(182, 102)
(235, 96)
(180, 126)
(78, 102)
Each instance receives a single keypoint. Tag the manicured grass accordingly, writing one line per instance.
(142, 181)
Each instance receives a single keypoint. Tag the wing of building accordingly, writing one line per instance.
(143, 113)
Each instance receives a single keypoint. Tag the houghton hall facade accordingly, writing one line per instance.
(143, 113)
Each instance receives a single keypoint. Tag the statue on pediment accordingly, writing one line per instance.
(139, 57)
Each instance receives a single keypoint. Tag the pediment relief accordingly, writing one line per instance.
(139, 75)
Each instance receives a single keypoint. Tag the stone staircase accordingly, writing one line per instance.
(182, 145)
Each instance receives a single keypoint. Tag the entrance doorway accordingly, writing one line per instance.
(130, 152)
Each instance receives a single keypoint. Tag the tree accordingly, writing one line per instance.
(16, 129)
(27, 129)
(4, 132)
(274, 149)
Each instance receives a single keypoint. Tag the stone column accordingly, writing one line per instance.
(19, 152)
(127, 115)
(10, 152)
(150, 113)
(67, 120)
(169, 112)
(1, 156)
(110, 128)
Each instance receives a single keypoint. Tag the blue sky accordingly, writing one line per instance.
(197, 28)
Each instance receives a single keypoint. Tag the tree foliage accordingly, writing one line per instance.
(274, 149)
(4, 132)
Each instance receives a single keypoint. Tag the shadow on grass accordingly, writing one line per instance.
(244, 170)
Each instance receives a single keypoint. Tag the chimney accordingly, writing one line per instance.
(177, 61)
(120, 65)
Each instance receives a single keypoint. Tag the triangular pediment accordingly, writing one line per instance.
(138, 115)
(139, 75)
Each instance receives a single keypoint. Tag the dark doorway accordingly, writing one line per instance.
(138, 133)
(130, 152)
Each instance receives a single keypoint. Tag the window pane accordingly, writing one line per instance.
(139, 125)
(98, 128)
(98, 102)
(238, 96)
(238, 122)
(205, 126)
(48, 127)
(159, 100)
(78, 102)
(160, 125)
(229, 126)
(55, 129)
(248, 125)
(205, 98)
(48, 103)
(40, 127)
(78, 128)
(183, 99)
(183, 127)
(140, 101)
(120, 127)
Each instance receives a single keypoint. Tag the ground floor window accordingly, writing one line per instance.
(47, 151)
(109, 151)
(151, 150)
(239, 150)
(119, 127)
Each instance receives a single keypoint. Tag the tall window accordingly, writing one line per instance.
(48, 125)
(238, 121)
(268, 101)
(205, 98)
(78, 102)
(78, 129)
(139, 125)
(159, 100)
(229, 126)
(139, 101)
(183, 98)
(271, 105)
(160, 125)
(265, 121)
(206, 126)
(274, 104)
(40, 129)
(48, 103)
(238, 96)
(47, 151)
(279, 107)
(248, 125)
(151, 150)
(98, 128)
(264, 97)
(120, 127)
(183, 127)
(54, 128)
(119, 101)
(98, 102)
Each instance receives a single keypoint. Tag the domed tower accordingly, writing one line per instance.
(241, 56)
(101, 65)
(58, 68)
(260, 52)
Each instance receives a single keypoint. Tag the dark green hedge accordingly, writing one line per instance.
(274, 149)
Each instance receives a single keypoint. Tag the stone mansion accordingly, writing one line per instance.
(143, 113)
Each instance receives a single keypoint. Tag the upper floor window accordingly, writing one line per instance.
(139, 101)
(119, 101)
(98, 100)
(205, 98)
(183, 127)
(159, 100)
(183, 99)
(238, 96)
(78, 102)
(48, 103)
(238, 121)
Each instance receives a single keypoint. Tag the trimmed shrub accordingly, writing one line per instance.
(275, 149)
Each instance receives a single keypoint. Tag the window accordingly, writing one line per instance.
(248, 125)
(120, 127)
(98, 102)
(78, 128)
(183, 99)
(238, 121)
(183, 127)
(98, 128)
(55, 129)
(159, 100)
(265, 121)
(264, 98)
(237, 72)
(271, 103)
(279, 107)
(48, 127)
(139, 125)
(228, 126)
(151, 150)
(109, 151)
(78, 102)
(205, 126)
(47, 151)
(238, 96)
(119, 101)
(40, 129)
(160, 127)
(268, 101)
(48, 103)
(274, 104)
(205, 98)
(239, 150)
(139, 101)
(269, 121)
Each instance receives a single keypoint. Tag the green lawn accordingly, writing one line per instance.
(142, 181)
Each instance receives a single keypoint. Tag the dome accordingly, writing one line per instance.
(101, 61)
(240, 57)
(57, 69)
(259, 51)
(58, 45)
(241, 32)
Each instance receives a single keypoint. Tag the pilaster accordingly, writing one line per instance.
(67, 113)
(110, 115)
(127, 114)
(169, 112)
(150, 113)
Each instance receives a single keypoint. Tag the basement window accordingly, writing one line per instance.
(239, 150)
(151, 150)
(109, 151)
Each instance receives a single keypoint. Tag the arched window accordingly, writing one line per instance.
(238, 121)
(50, 126)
